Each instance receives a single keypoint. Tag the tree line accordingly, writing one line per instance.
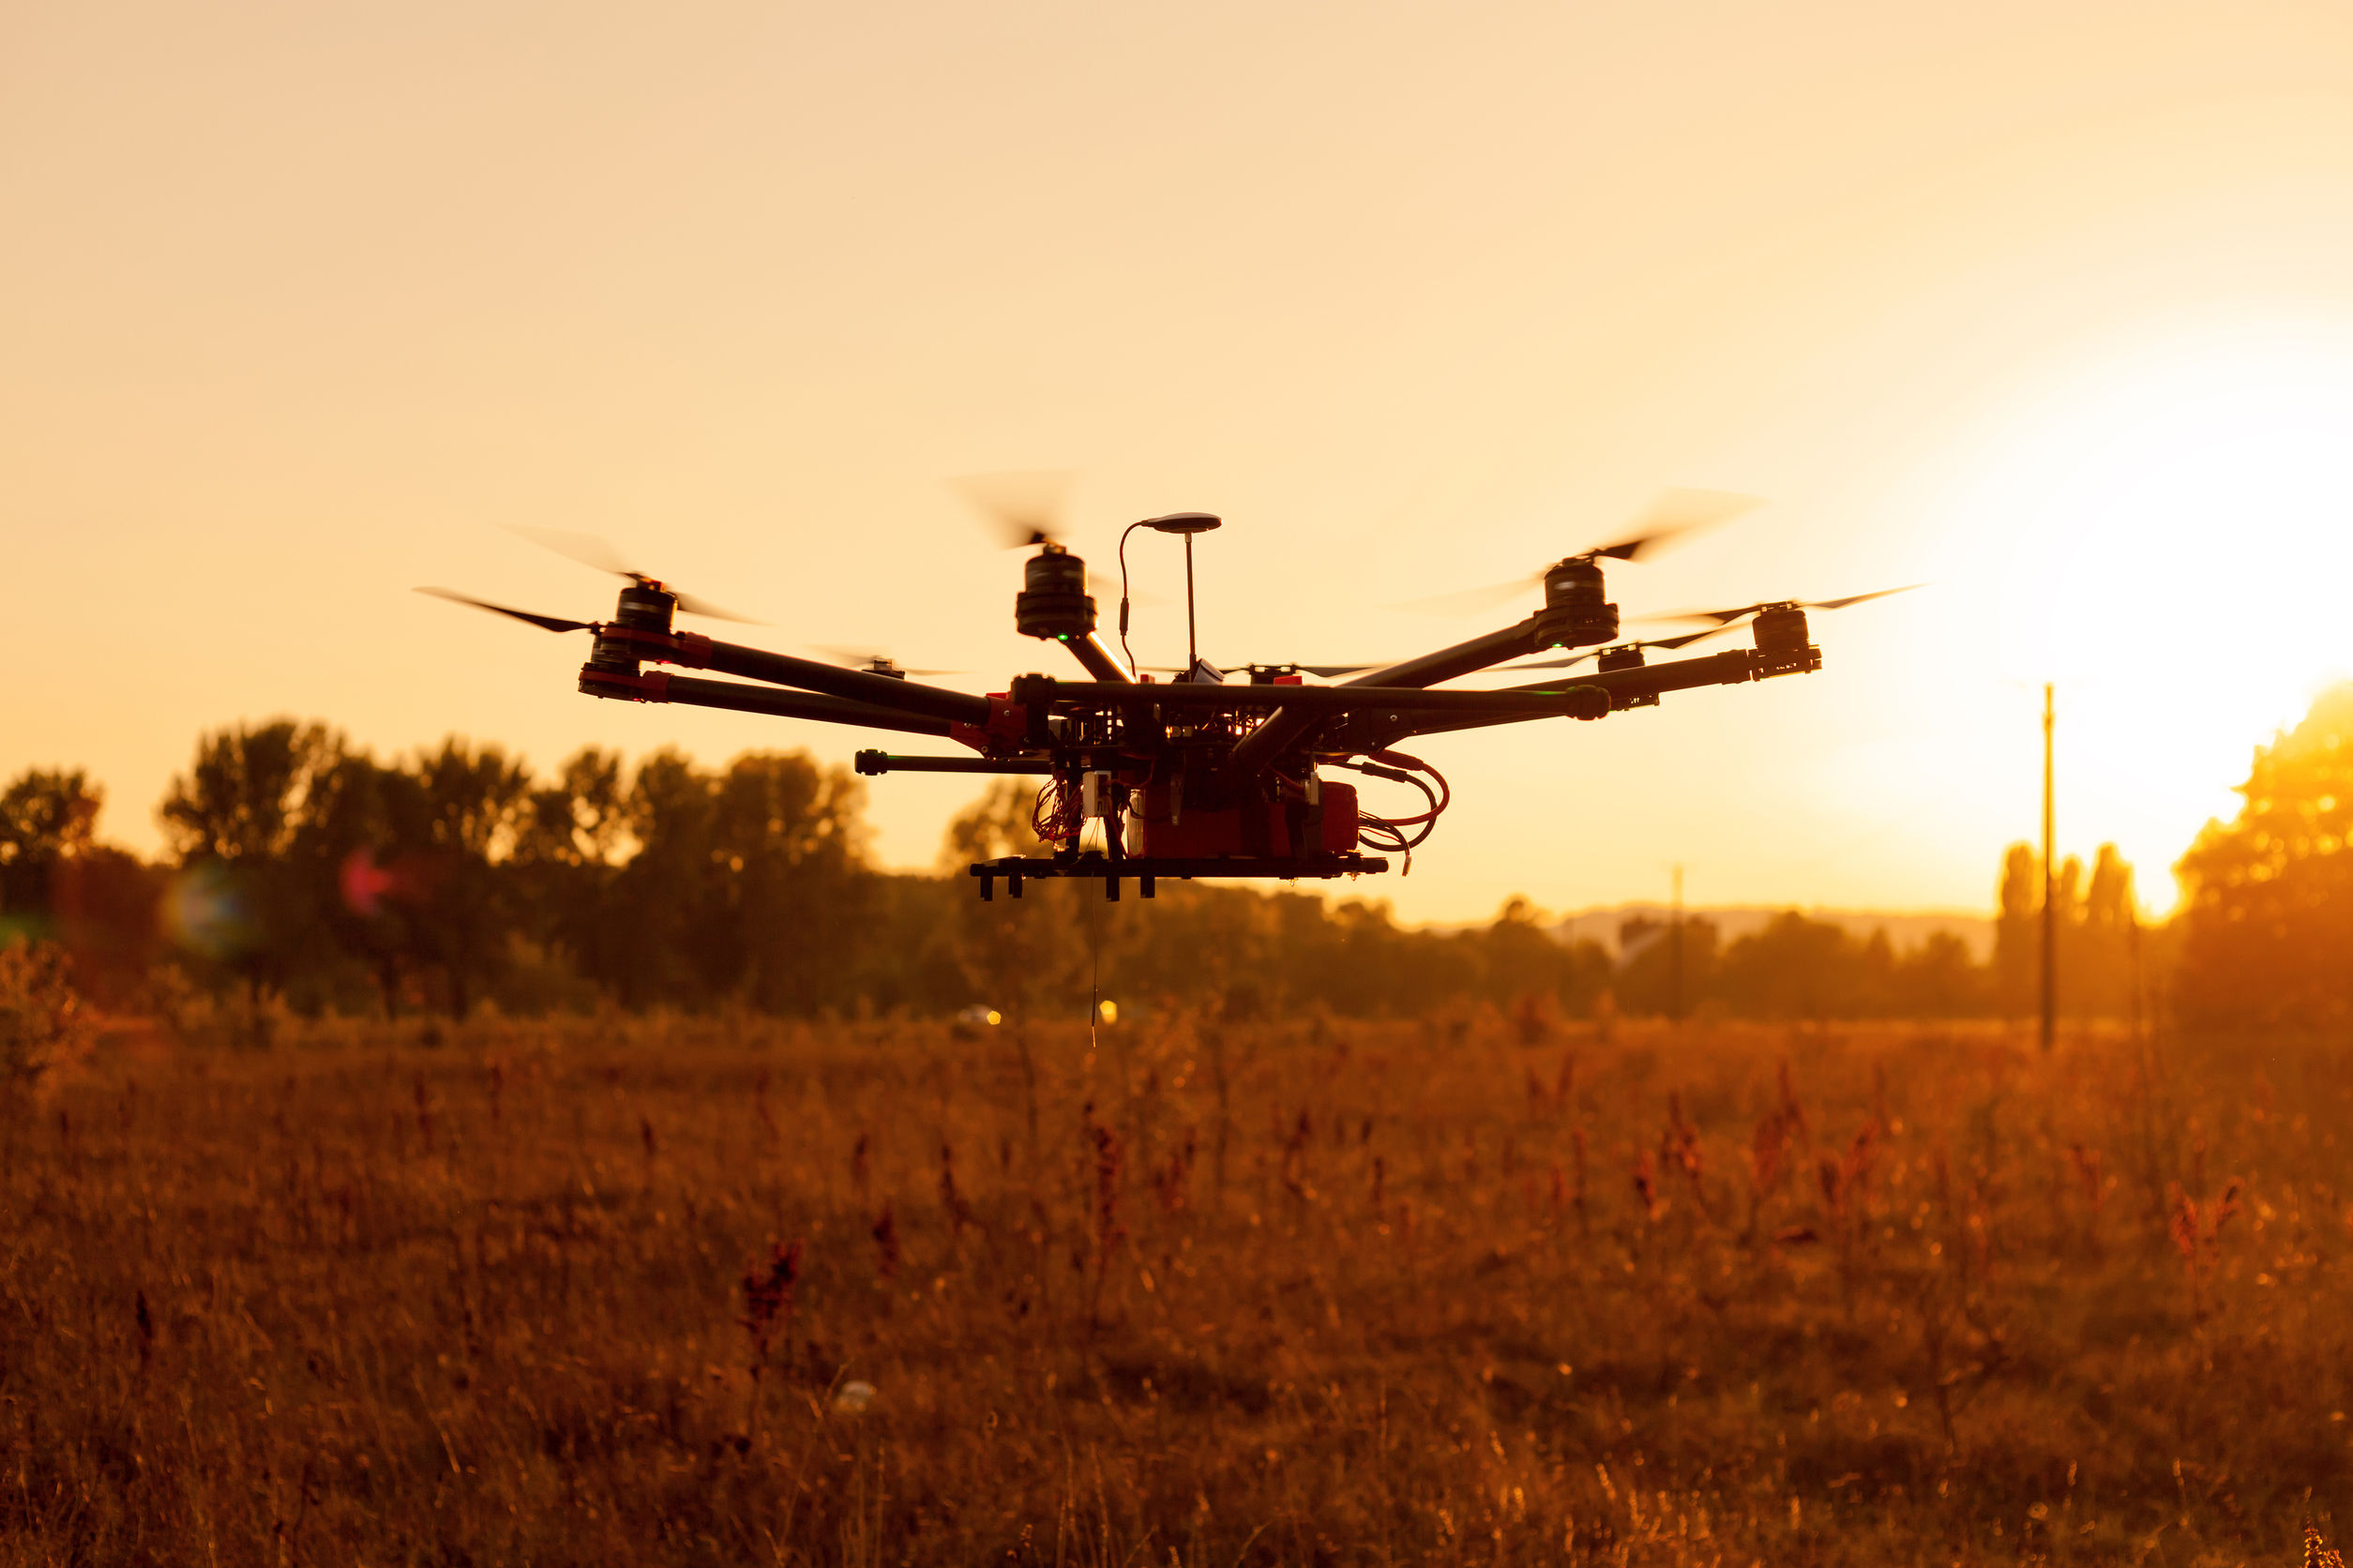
(304, 871)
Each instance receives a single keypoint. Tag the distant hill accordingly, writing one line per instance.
(1903, 929)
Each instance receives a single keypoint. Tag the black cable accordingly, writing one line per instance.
(1429, 820)
(1124, 648)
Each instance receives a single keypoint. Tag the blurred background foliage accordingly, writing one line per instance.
(307, 875)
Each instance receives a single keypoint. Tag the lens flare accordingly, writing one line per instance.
(209, 911)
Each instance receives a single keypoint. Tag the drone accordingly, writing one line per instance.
(1199, 775)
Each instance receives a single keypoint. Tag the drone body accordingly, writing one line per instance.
(1195, 777)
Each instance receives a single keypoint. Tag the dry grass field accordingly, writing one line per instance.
(1475, 1291)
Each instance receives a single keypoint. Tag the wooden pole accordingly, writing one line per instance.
(1675, 998)
(2050, 882)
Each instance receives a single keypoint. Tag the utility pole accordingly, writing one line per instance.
(1675, 991)
(2050, 883)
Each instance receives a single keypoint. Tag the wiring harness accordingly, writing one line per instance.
(1401, 834)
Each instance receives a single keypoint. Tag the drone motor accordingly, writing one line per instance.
(1574, 614)
(645, 606)
(1053, 601)
(1783, 646)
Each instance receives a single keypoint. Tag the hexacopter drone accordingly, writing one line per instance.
(1198, 775)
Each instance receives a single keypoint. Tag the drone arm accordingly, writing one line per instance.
(1560, 697)
(1463, 659)
(1092, 652)
(662, 687)
(1625, 688)
(875, 763)
(1257, 749)
(1733, 667)
(886, 692)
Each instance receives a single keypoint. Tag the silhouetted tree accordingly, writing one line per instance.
(1938, 979)
(2018, 932)
(46, 818)
(2270, 895)
(1797, 968)
(1645, 983)
(57, 882)
(471, 798)
(569, 835)
(233, 820)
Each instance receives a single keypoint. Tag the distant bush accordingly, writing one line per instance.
(43, 1023)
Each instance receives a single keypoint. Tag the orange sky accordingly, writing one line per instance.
(2049, 304)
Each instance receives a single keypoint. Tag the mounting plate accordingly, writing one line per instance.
(1148, 869)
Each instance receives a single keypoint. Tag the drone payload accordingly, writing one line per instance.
(1197, 776)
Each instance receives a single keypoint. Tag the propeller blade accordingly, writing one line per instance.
(1721, 617)
(1678, 511)
(1023, 508)
(590, 551)
(1674, 512)
(694, 605)
(1686, 640)
(587, 549)
(1469, 601)
(1863, 598)
(1725, 617)
(548, 623)
(867, 658)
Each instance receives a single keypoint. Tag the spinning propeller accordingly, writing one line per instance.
(1684, 640)
(1023, 508)
(590, 551)
(873, 663)
(1675, 512)
(548, 623)
(1725, 617)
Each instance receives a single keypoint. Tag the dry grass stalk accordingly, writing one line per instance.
(517, 1352)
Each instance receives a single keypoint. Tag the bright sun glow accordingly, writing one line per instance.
(2173, 536)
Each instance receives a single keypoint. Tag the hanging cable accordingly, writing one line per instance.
(1124, 648)
(1397, 835)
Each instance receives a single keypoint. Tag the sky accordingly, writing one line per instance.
(2047, 306)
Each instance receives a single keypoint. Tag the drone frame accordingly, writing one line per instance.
(1267, 736)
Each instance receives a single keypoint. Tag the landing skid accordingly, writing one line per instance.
(1148, 869)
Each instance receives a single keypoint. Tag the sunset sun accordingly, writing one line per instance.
(2172, 533)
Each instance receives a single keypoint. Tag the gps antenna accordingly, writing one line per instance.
(1188, 524)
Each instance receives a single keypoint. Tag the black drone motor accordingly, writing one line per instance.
(1783, 643)
(1053, 601)
(1574, 614)
(645, 606)
(1626, 657)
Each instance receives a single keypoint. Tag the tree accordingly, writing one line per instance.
(58, 881)
(2270, 895)
(2017, 932)
(1797, 968)
(1647, 961)
(471, 798)
(1937, 980)
(231, 820)
(2096, 974)
(358, 853)
(789, 834)
(656, 948)
(569, 834)
(2095, 923)
(241, 802)
(46, 819)
(1011, 951)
